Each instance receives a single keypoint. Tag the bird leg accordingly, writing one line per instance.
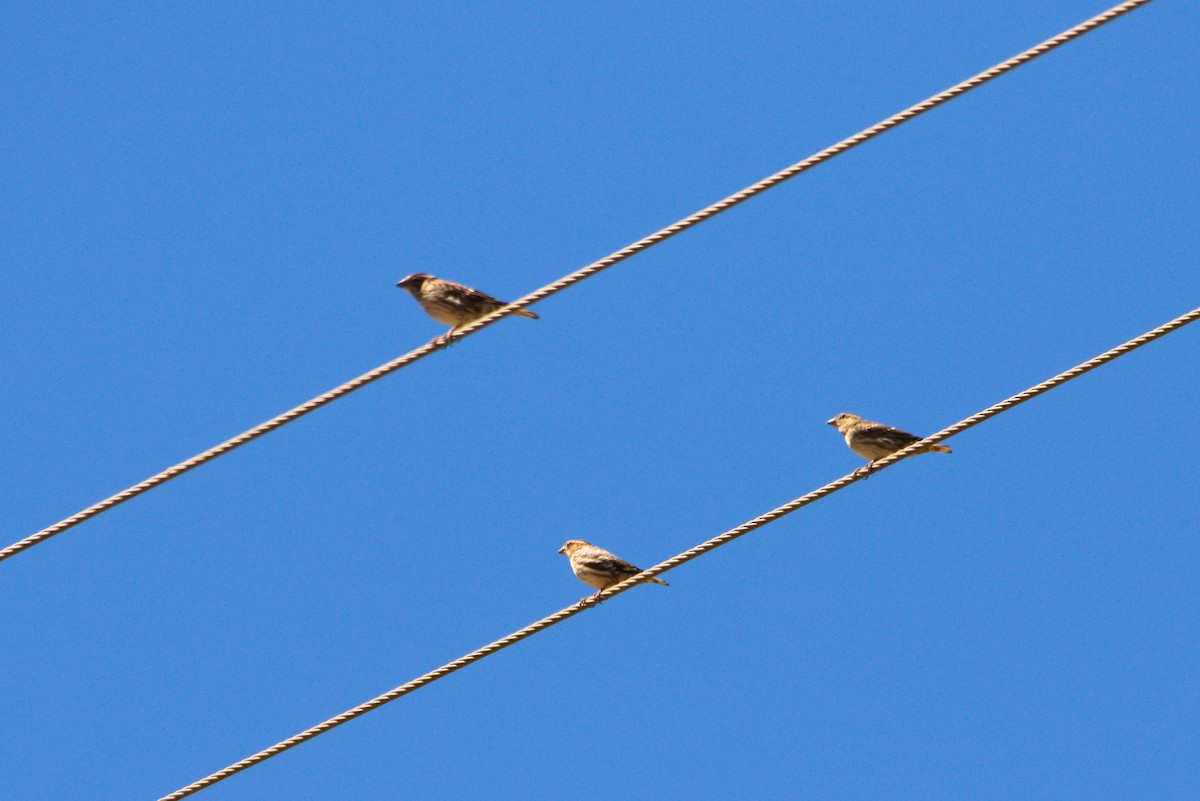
(444, 339)
(866, 470)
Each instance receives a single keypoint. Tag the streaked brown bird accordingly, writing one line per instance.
(874, 441)
(598, 568)
(453, 303)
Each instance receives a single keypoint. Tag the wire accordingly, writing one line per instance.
(686, 556)
(575, 277)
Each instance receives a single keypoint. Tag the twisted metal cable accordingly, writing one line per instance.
(686, 556)
(573, 278)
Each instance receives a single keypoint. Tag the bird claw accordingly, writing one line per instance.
(866, 470)
(446, 340)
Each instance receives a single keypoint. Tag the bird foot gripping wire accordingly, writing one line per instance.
(444, 340)
(865, 471)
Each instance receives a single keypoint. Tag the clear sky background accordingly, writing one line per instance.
(205, 211)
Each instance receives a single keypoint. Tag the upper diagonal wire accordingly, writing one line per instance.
(686, 556)
(574, 278)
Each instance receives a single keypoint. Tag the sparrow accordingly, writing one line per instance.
(598, 568)
(452, 303)
(875, 440)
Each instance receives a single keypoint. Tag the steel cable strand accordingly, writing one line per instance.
(686, 556)
(561, 284)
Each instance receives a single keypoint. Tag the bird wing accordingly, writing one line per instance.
(878, 431)
(456, 298)
(471, 299)
(608, 564)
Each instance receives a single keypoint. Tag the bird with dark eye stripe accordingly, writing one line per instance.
(452, 303)
(874, 441)
(598, 568)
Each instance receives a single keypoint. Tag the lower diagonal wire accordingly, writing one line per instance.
(686, 556)
(575, 277)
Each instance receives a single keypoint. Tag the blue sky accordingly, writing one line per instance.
(206, 210)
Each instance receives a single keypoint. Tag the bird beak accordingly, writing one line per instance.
(830, 422)
(563, 549)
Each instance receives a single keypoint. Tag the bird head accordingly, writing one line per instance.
(844, 421)
(571, 546)
(414, 282)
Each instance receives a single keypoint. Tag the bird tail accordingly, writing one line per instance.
(525, 313)
(660, 581)
(940, 449)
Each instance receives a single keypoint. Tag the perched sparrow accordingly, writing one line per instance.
(875, 440)
(597, 567)
(451, 303)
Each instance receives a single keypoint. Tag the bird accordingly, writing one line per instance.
(452, 303)
(597, 567)
(874, 441)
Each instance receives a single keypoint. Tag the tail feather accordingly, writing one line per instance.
(940, 449)
(526, 313)
(660, 581)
